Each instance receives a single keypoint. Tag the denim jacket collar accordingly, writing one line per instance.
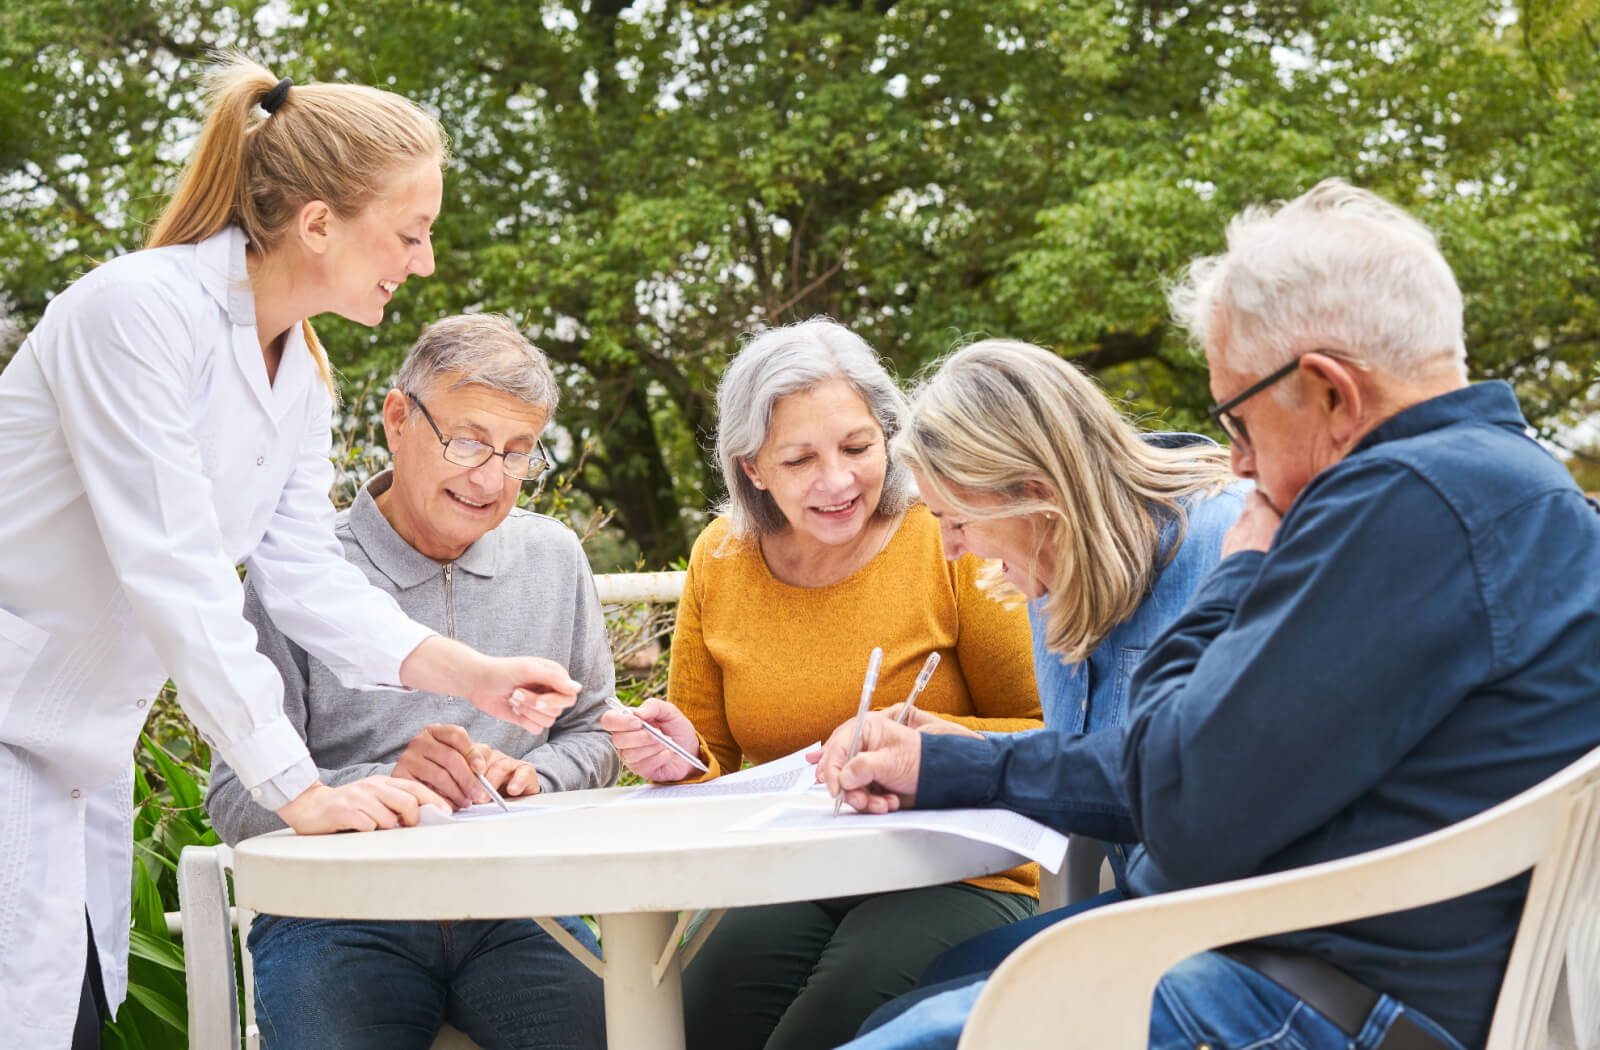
(397, 559)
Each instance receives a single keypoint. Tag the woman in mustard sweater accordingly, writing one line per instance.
(820, 555)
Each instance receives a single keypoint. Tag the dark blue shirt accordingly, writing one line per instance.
(1421, 643)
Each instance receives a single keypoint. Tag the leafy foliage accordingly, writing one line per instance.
(639, 185)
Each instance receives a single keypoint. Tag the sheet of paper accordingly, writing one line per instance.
(484, 811)
(998, 827)
(788, 775)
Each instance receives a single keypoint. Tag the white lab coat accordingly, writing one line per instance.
(143, 457)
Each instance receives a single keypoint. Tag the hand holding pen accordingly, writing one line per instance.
(928, 667)
(898, 785)
(867, 686)
(648, 738)
(907, 714)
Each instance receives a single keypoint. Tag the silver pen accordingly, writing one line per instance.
(922, 681)
(867, 687)
(672, 745)
(492, 792)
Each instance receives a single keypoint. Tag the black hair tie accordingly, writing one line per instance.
(276, 96)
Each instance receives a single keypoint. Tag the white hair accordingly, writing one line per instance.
(792, 360)
(1337, 269)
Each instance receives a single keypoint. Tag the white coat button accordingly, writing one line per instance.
(76, 793)
(260, 460)
(140, 702)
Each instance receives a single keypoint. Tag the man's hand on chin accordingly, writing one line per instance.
(1255, 528)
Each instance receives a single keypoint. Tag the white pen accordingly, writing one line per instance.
(922, 681)
(492, 792)
(618, 705)
(867, 687)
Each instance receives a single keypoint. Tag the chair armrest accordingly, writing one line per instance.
(1095, 974)
(208, 946)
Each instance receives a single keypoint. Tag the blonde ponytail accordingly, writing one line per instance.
(337, 143)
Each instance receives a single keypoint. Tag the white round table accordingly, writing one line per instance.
(634, 867)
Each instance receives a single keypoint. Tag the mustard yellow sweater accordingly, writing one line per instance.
(763, 668)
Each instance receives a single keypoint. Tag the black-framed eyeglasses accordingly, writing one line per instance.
(1222, 415)
(465, 452)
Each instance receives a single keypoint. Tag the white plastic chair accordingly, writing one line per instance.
(208, 957)
(1095, 974)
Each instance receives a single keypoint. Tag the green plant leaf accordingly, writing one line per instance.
(148, 914)
(144, 944)
(175, 1014)
(180, 782)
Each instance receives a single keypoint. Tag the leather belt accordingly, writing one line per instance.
(1331, 992)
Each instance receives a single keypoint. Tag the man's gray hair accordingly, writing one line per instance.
(480, 350)
(1337, 268)
(792, 360)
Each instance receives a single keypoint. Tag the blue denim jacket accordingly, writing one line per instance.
(1093, 694)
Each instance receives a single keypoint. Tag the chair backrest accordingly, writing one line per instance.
(1560, 921)
(1095, 974)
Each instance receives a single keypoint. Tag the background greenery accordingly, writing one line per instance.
(642, 184)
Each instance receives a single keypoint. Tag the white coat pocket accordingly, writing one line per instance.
(20, 643)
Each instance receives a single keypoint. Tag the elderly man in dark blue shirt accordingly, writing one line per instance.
(1403, 632)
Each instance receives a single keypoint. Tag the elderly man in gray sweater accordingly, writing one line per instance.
(441, 531)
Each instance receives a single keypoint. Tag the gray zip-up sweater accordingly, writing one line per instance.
(524, 589)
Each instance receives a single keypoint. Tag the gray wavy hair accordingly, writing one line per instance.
(792, 360)
(483, 350)
(1338, 268)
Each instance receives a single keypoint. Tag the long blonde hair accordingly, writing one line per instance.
(337, 143)
(1007, 419)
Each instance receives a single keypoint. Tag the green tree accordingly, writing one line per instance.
(640, 185)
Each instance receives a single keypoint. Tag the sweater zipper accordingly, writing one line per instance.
(449, 611)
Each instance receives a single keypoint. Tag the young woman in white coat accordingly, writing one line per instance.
(167, 421)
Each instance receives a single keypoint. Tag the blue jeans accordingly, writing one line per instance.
(390, 985)
(1206, 1000)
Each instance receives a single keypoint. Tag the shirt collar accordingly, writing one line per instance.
(405, 565)
(1492, 402)
(220, 260)
(220, 265)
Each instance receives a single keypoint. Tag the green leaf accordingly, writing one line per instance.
(148, 913)
(180, 782)
(173, 1013)
(147, 945)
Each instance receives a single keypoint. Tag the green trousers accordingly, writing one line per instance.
(804, 976)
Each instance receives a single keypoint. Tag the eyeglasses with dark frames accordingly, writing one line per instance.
(465, 452)
(1222, 415)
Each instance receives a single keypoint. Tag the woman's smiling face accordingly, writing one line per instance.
(823, 462)
(1017, 542)
(373, 253)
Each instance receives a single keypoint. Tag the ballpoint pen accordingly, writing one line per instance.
(617, 705)
(495, 795)
(922, 680)
(867, 687)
